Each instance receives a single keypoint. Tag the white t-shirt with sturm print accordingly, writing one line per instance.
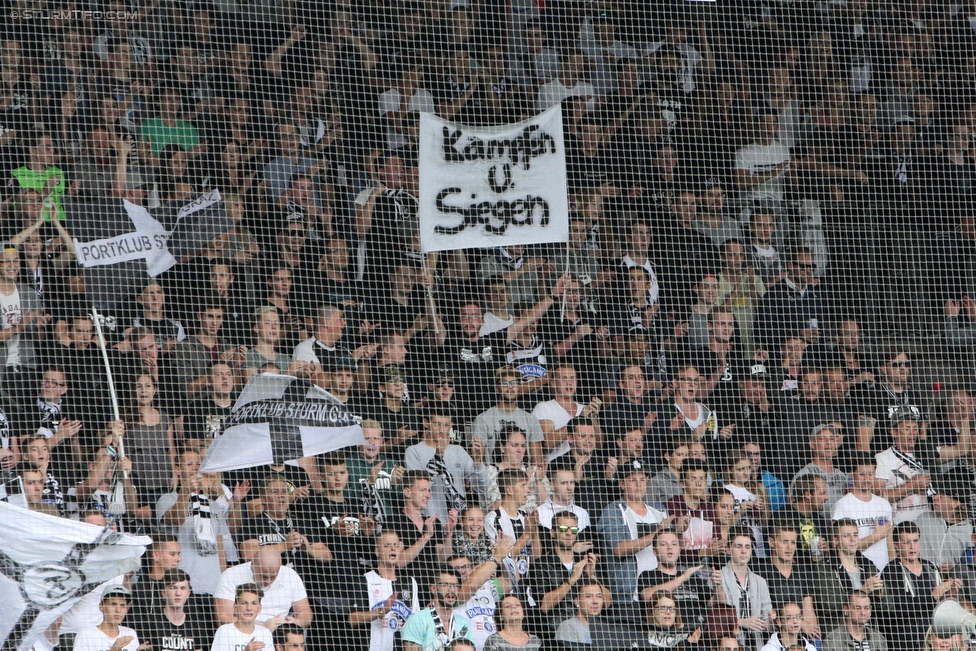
(867, 515)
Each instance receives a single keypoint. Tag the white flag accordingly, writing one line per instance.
(48, 563)
(492, 186)
(148, 241)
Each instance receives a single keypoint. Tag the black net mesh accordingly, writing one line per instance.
(711, 391)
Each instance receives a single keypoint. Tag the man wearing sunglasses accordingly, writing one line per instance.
(905, 467)
(553, 577)
(793, 305)
(880, 402)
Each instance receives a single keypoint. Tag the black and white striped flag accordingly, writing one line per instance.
(120, 243)
(280, 418)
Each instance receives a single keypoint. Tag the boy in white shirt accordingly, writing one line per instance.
(110, 635)
(244, 634)
(871, 512)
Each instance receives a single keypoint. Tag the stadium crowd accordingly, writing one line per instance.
(670, 432)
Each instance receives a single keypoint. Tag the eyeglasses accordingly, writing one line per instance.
(53, 383)
(666, 609)
(564, 529)
(509, 383)
(900, 363)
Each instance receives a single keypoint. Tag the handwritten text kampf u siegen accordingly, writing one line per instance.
(519, 150)
(504, 155)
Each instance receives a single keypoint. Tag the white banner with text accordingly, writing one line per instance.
(492, 186)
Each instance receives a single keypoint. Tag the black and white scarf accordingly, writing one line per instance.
(437, 468)
(50, 415)
(372, 505)
(903, 168)
(52, 494)
(443, 637)
(912, 463)
(203, 532)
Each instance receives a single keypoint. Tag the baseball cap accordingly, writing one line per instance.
(117, 591)
(632, 467)
(345, 363)
(901, 413)
(712, 181)
(953, 484)
(752, 369)
(392, 373)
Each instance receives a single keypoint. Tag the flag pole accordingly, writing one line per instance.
(569, 262)
(430, 294)
(108, 374)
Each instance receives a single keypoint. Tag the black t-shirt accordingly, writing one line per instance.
(407, 418)
(165, 329)
(146, 599)
(585, 354)
(623, 416)
(814, 527)
(786, 589)
(545, 575)
(267, 530)
(588, 172)
(726, 391)
(39, 415)
(475, 363)
(89, 386)
(393, 315)
(691, 597)
(204, 419)
(155, 628)
(321, 523)
(426, 563)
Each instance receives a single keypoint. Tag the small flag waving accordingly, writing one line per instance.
(145, 239)
(280, 418)
(48, 563)
(119, 243)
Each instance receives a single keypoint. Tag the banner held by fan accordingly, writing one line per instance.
(492, 186)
